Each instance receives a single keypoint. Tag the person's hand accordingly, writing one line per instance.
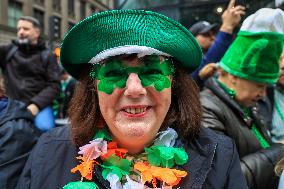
(33, 109)
(282, 141)
(232, 17)
(207, 71)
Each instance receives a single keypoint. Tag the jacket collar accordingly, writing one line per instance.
(201, 154)
(30, 49)
(213, 86)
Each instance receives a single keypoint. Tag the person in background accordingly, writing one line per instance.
(279, 167)
(214, 44)
(276, 97)
(18, 135)
(229, 101)
(67, 86)
(61, 103)
(205, 33)
(135, 113)
(30, 72)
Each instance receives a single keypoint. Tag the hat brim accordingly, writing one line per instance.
(212, 27)
(117, 28)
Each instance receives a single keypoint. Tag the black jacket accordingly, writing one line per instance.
(27, 77)
(224, 115)
(213, 163)
(18, 135)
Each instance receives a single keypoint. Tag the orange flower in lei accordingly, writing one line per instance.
(86, 168)
(112, 149)
(150, 173)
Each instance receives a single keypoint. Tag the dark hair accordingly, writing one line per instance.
(184, 114)
(31, 19)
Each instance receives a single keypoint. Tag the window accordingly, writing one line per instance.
(14, 13)
(38, 14)
(83, 10)
(71, 8)
(56, 5)
(39, 2)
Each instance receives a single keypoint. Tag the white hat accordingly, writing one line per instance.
(265, 20)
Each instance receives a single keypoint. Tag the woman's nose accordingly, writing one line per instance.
(134, 86)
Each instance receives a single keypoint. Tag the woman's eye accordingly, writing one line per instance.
(153, 72)
(114, 73)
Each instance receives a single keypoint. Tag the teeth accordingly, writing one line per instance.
(135, 110)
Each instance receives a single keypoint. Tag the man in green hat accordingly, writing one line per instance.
(250, 64)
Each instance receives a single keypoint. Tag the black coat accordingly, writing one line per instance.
(28, 78)
(18, 135)
(213, 163)
(224, 115)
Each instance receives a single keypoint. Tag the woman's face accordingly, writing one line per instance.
(134, 98)
(249, 92)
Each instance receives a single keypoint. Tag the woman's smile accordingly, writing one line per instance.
(136, 111)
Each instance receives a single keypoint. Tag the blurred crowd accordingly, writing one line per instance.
(241, 82)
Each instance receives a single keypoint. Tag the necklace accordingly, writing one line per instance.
(154, 168)
(262, 141)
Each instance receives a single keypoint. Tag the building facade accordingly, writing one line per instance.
(190, 11)
(66, 13)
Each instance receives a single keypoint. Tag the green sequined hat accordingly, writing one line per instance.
(117, 32)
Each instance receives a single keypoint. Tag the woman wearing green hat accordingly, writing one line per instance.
(135, 115)
(229, 101)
